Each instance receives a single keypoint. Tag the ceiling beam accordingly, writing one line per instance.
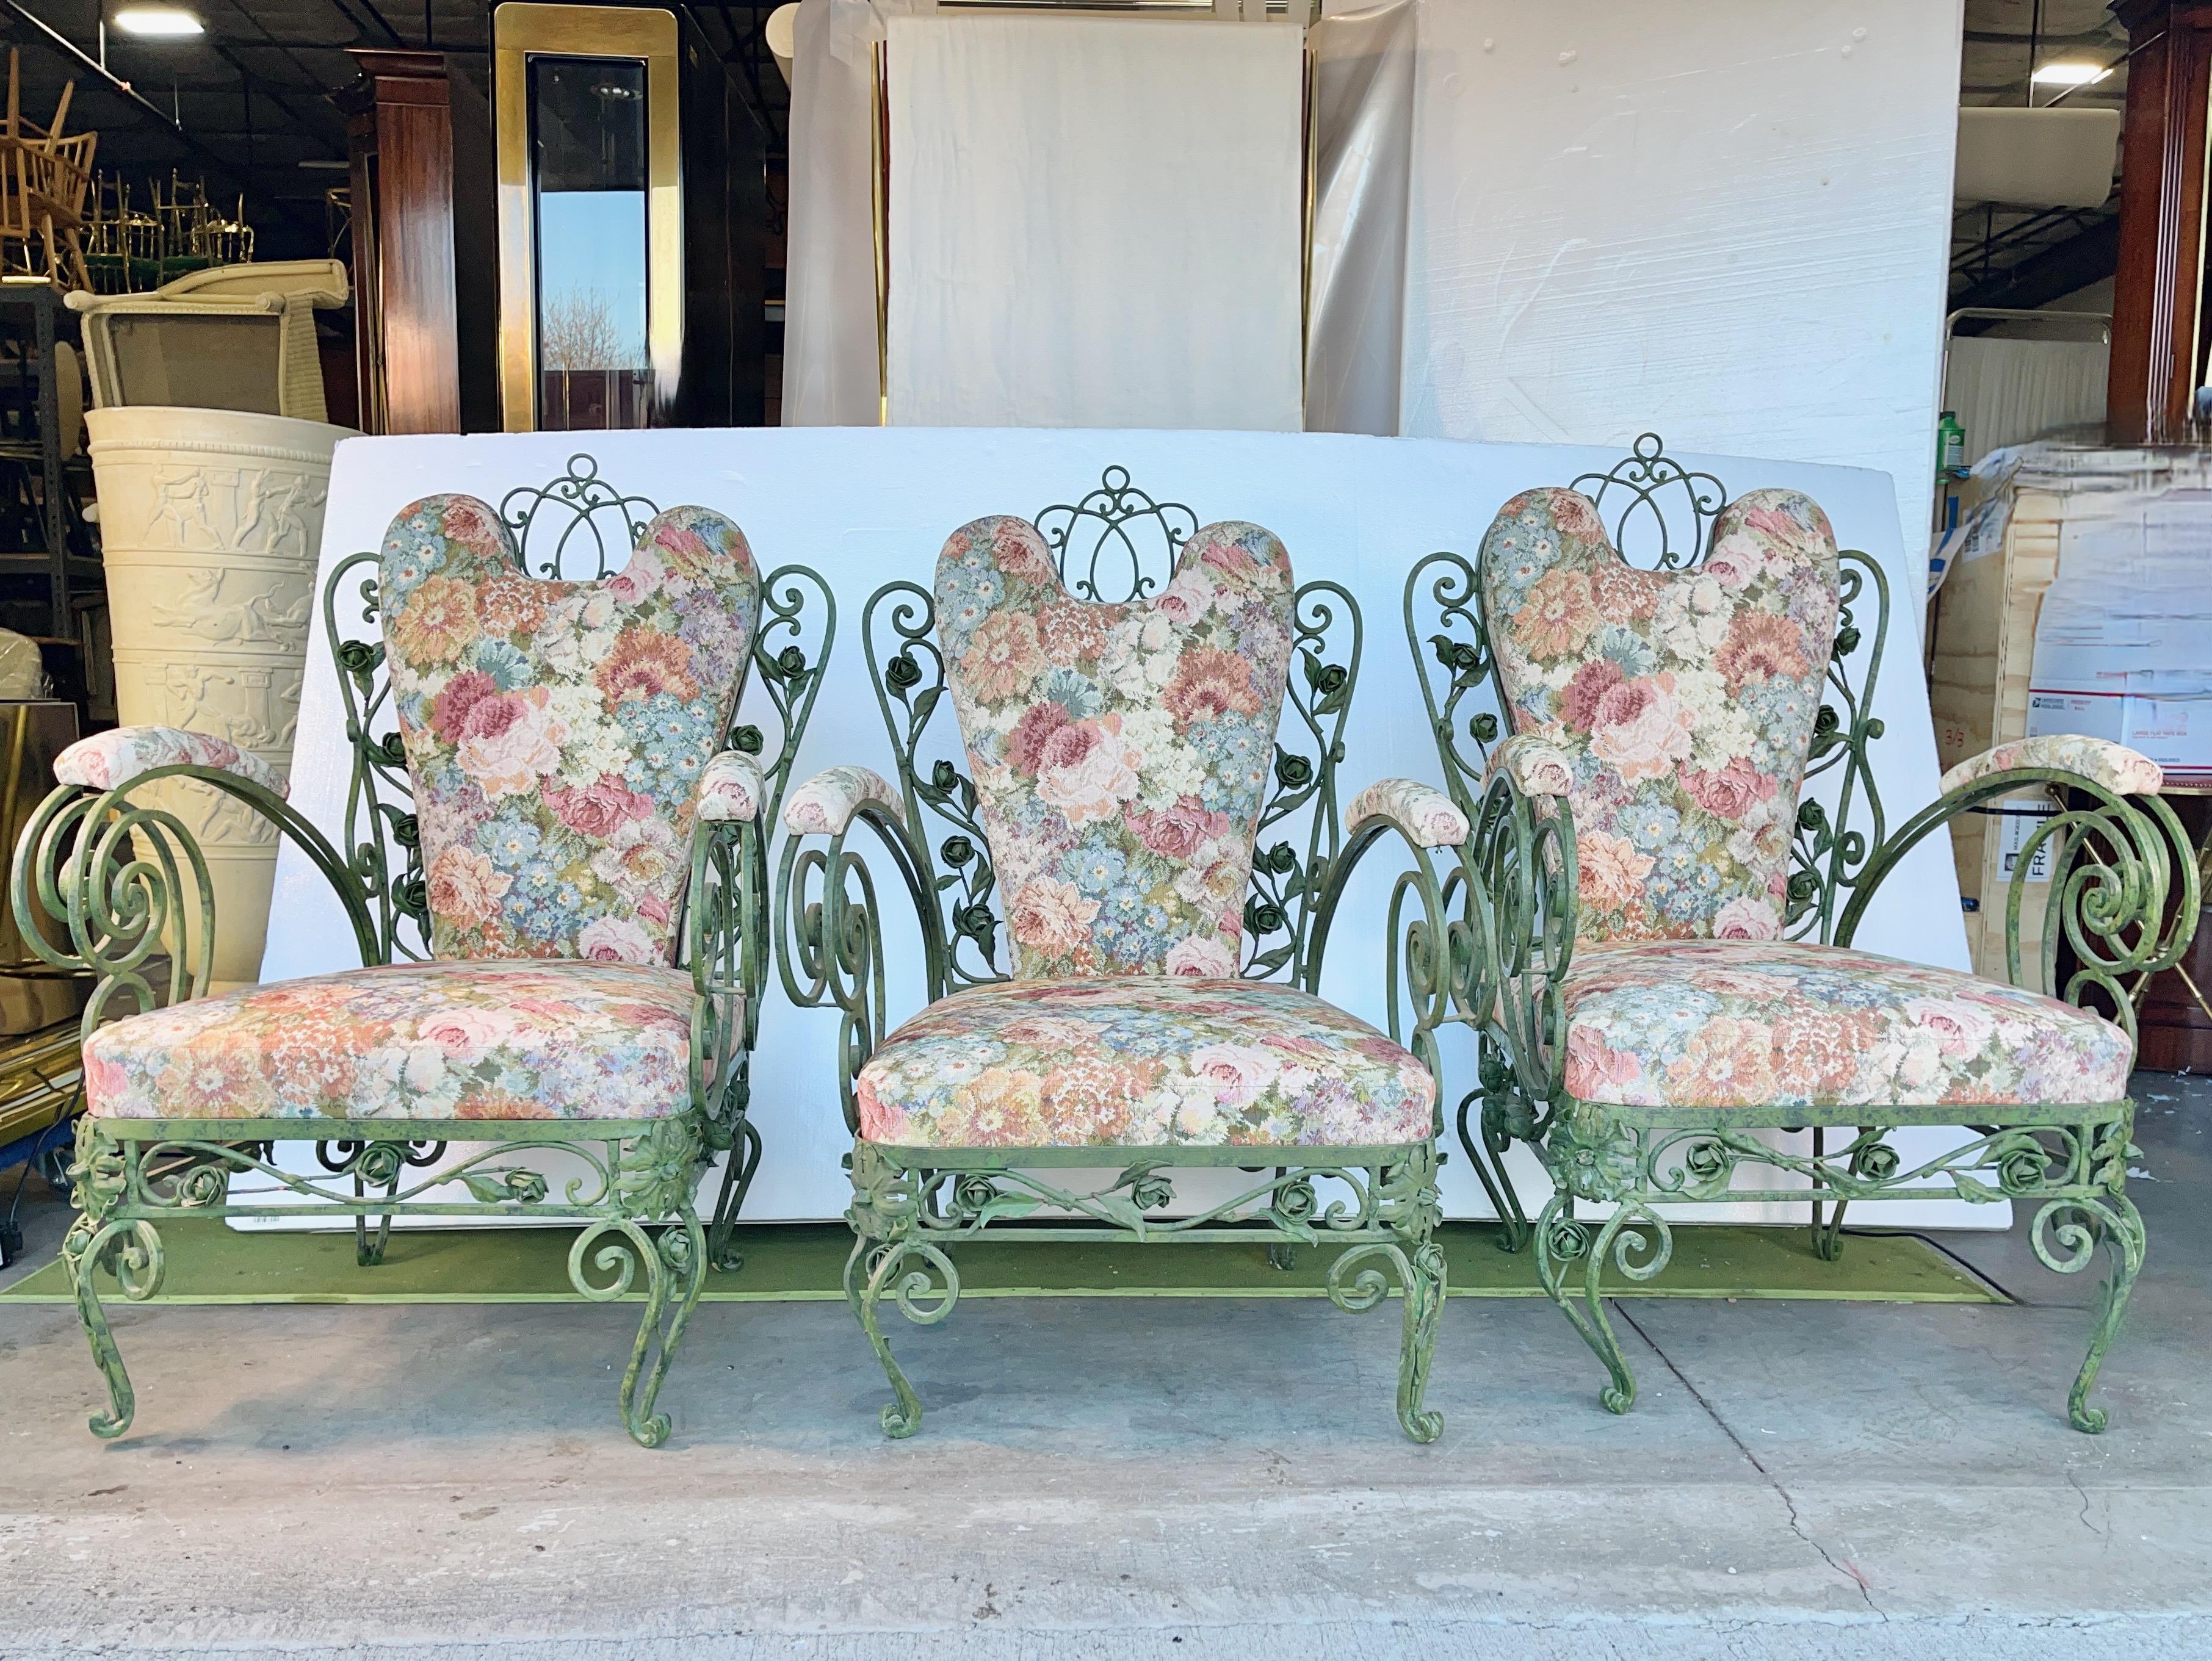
(2089, 256)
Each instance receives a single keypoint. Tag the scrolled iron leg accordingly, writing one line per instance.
(99, 1239)
(1424, 1303)
(2075, 1227)
(1421, 1274)
(679, 1257)
(134, 1248)
(736, 1181)
(369, 1247)
(921, 1300)
(1486, 1154)
(1561, 1240)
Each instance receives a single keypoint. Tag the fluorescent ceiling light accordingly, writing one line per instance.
(158, 22)
(2070, 74)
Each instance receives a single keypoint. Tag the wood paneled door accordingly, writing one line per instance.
(406, 324)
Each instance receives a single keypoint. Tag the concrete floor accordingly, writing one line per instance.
(1126, 1479)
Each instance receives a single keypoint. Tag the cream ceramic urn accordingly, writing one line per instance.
(210, 520)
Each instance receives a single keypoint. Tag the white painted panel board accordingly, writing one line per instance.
(1728, 221)
(1094, 223)
(865, 505)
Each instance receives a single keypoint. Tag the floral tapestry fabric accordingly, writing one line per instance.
(825, 804)
(1141, 1060)
(108, 759)
(2120, 770)
(730, 789)
(1737, 1023)
(1536, 767)
(1684, 701)
(556, 731)
(503, 1040)
(1424, 812)
(1120, 752)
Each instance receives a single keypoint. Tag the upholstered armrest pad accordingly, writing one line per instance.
(2120, 770)
(729, 791)
(108, 759)
(1427, 815)
(825, 803)
(1536, 766)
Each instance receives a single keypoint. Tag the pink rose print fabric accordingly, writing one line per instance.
(115, 757)
(1120, 752)
(731, 789)
(2123, 771)
(1683, 702)
(825, 804)
(1742, 1023)
(556, 731)
(1424, 812)
(1141, 1060)
(507, 1040)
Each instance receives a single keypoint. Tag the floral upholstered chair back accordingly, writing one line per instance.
(556, 730)
(1120, 752)
(1681, 705)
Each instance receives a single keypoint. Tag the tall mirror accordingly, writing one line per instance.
(591, 211)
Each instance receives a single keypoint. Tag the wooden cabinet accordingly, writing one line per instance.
(406, 332)
(2159, 338)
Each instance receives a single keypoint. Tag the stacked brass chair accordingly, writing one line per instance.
(553, 870)
(1166, 864)
(1669, 859)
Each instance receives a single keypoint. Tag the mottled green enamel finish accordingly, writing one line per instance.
(911, 1206)
(128, 882)
(132, 1175)
(1378, 1204)
(2125, 895)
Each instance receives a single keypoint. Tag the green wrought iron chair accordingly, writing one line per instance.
(553, 868)
(1668, 861)
(1166, 863)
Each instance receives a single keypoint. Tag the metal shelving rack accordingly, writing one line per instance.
(44, 532)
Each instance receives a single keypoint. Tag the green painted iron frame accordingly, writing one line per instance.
(127, 880)
(2123, 893)
(1378, 1205)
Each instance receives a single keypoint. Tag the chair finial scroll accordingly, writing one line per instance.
(1647, 481)
(1112, 530)
(578, 504)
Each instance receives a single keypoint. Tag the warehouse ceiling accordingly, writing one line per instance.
(249, 105)
(2013, 258)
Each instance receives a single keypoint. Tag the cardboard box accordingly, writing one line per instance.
(2123, 642)
(2174, 732)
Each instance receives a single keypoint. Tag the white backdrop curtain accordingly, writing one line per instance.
(1364, 63)
(1095, 222)
(2007, 391)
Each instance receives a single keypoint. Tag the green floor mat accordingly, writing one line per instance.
(210, 1263)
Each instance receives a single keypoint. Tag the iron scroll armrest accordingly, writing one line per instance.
(725, 941)
(2122, 876)
(1485, 950)
(829, 944)
(127, 882)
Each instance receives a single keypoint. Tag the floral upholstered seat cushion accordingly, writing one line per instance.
(1119, 752)
(487, 1041)
(1745, 1023)
(1141, 1060)
(1683, 702)
(556, 731)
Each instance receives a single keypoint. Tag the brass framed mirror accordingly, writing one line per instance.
(591, 215)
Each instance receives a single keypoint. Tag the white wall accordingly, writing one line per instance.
(1728, 221)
